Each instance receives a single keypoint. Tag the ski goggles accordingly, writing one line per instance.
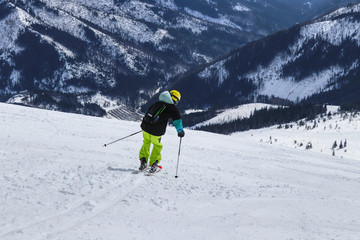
(175, 99)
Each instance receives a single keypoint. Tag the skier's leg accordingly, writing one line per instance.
(145, 149)
(156, 151)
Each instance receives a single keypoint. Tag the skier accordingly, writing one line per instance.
(153, 130)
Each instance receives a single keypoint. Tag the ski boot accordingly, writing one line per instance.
(154, 167)
(143, 164)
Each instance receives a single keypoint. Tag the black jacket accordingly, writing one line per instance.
(159, 128)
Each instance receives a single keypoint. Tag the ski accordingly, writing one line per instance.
(147, 173)
(140, 171)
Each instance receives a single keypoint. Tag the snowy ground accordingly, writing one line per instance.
(344, 129)
(59, 182)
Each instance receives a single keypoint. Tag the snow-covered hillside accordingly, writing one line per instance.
(59, 182)
(68, 53)
(239, 112)
(319, 135)
(316, 61)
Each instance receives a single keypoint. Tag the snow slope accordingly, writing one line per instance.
(239, 112)
(59, 182)
(342, 128)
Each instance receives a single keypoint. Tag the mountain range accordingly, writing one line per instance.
(316, 61)
(83, 56)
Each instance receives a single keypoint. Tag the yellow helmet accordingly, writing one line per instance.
(176, 96)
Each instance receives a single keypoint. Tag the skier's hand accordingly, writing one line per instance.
(181, 134)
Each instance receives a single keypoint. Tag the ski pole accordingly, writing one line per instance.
(177, 166)
(106, 144)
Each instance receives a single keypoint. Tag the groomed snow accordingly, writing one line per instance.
(59, 182)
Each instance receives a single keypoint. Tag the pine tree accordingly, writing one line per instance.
(334, 145)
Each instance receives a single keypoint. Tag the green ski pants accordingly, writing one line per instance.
(156, 150)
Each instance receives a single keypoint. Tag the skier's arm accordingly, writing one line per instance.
(177, 121)
(178, 125)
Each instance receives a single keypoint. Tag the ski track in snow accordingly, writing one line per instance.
(58, 182)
